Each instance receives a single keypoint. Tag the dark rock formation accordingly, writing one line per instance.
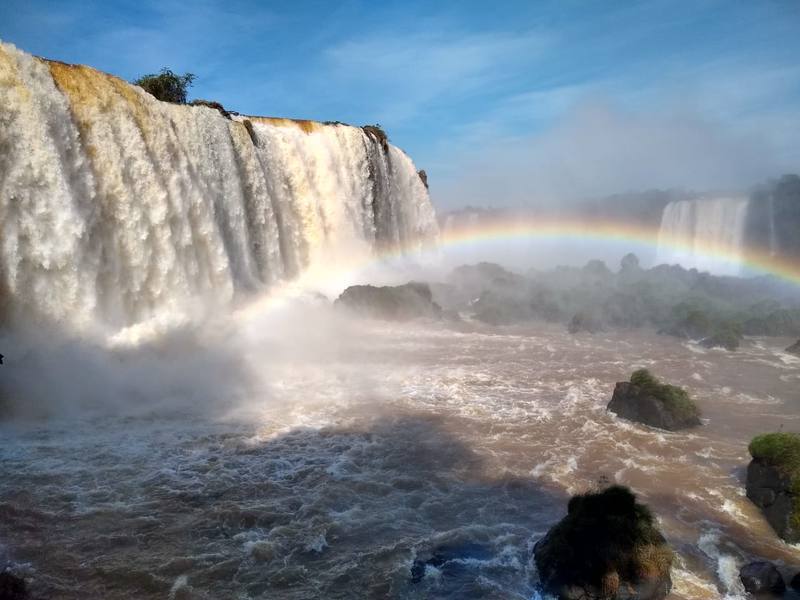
(377, 134)
(722, 339)
(794, 348)
(395, 303)
(13, 587)
(584, 321)
(795, 583)
(645, 400)
(773, 481)
(761, 578)
(608, 546)
(424, 177)
(211, 104)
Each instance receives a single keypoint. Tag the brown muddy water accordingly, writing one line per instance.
(364, 456)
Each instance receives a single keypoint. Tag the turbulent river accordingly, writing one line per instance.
(332, 457)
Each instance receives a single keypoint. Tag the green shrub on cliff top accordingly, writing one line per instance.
(675, 398)
(167, 86)
(782, 451)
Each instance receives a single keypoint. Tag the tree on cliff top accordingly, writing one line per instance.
(167, 86)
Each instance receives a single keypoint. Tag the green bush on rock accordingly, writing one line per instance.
(167, 86)
(773, 481)
(607, 542)
(676, 399)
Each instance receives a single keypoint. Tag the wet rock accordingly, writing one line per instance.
(394, 303)
(722, 339)
(608, 546)
(762, 579)
(645, 400)
(794, 348)
(584, 321)
(773, 481)
(13, 587)
(450, 559)
(424, 177)
(795, 582)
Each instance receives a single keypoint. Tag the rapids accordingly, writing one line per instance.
(349, 451)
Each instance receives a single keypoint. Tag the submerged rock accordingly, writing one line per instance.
(394, 303)
(773, 481)
(761, 579)
(450, 559)
(794, 348)
(646, 400)
(608, 546)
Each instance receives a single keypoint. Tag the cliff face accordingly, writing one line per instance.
(116, 207)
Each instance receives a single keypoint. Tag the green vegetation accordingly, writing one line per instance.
(167, 86)
(782, 451)
(727, 334)
(607, 537)
(675, 398)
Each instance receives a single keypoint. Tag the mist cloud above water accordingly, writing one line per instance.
(598, 149)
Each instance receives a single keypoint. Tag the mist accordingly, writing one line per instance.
(598, 148)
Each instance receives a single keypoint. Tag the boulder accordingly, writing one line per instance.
(794, 348)
(645, 400)
(608, 546)
(762, 579)
(584, 321)
(795, 582)
(773, 481)
(394, 303)
(13, 587)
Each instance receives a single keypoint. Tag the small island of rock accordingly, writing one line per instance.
(646, 400)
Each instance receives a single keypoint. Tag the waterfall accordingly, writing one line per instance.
(116, 207)
(706, 234)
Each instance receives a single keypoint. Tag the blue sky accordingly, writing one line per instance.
(503, 103)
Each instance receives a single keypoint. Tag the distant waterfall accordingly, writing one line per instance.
(707, 234)
(115, 207)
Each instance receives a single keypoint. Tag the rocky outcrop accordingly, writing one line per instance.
(794, 348)
(645, 400)
(608, 546)
(393, 303)
(721, 339)
(773, 482)
(584, 321)
(762, 579)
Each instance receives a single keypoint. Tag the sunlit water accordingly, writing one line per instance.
(366, 453)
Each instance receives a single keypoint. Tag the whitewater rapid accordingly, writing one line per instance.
(116, 207)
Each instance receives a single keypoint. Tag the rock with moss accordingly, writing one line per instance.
(722, 339)
(393, 303)
(646, 400)
(608, 546)
(773, 481)
(794, 348)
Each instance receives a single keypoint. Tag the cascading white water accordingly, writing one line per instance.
(115, 207)
(706, 233)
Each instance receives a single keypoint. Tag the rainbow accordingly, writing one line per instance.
(515, 228)
(752, 260)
